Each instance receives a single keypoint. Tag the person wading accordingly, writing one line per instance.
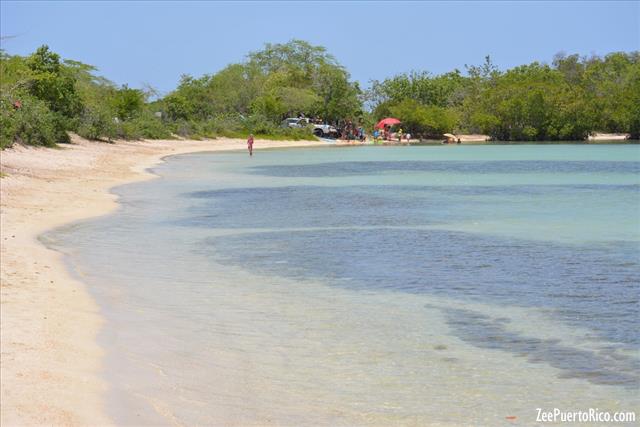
(250, 144)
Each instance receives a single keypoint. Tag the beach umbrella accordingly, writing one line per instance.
(388, 121)
(449, 135)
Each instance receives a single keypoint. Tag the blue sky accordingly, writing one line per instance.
(155, 42)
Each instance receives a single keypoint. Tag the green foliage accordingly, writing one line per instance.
(339, 98)
(34, 124)
(8, 123)
(37, 99)
(239, 126)
(96, 123)
(127, 103)
(442, 91)
(43, 97)
(279, 81)
(60, 96)
(424, 120)
(145, 125)
(177, 106)
(566, 101)
(52, 83)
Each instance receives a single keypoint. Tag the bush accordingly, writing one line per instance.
(192, 129)
(96, 123)
(7, 123)
(260, 124)
(429, 120)
(144, 126)
(237, 126)
(32, 124)
(52, 83)
(127, 103)
(226, 123)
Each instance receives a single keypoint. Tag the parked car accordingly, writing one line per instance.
(319, 130)
(294, 122)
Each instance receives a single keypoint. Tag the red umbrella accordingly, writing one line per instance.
(388, 121)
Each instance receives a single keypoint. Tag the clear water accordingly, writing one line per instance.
(370, 286)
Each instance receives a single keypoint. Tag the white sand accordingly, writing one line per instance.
(608, 137)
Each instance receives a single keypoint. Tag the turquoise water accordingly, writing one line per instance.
(370, 285)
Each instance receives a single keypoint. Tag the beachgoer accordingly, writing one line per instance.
(376, 134)
(250, 144)
(399, 135)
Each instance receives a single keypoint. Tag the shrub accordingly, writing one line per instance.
(259, 124)
(424, 120)
(52, 83)
(127, 103)
(7, 123)
(96, 123)
(32, 124)
(144, 126)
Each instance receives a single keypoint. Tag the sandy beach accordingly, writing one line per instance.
(619, 137)
(51, 362)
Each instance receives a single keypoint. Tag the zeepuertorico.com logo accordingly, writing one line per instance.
(592, 415)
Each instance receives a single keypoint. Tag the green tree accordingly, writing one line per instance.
(424, 120)
(127, 103)
(53, 83)
(338, 97)
(273, 83)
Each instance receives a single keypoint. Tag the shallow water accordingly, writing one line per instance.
(370, 286)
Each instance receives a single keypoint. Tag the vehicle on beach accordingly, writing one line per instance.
(319, 130)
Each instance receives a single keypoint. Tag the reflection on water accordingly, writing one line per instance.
(374, 286)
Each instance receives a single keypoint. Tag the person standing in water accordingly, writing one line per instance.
(250, 144)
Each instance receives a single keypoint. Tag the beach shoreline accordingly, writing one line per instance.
(51, 359)
(52, 363)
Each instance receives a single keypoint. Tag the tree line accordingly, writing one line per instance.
(567, 100)
(44, 97)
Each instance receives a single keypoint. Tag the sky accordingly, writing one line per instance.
(155, 42)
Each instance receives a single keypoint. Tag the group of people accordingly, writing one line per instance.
(385, 134)
(352, 132)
